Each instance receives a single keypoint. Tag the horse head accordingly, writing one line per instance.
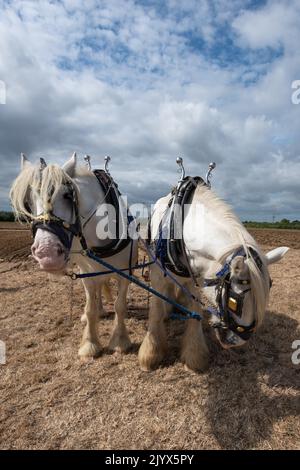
(47, 196)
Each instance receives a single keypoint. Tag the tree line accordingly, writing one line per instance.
(6, 216)
(283, 224)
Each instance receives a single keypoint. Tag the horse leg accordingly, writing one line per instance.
(107, 292)
(194, 352)
(154, 346)
(104, 289)
(90, 345)
(120, 340)
(102, 313)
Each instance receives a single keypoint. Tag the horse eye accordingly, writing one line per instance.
(68, 196)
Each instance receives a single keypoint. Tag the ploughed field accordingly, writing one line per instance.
(247, 399)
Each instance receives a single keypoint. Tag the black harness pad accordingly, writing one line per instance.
(176, 257)
(109, 187)
(112, 195)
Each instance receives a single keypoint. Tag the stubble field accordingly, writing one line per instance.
(49, 399)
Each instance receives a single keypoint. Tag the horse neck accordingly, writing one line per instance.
(90, 197)
(91, 200)
(212, 231)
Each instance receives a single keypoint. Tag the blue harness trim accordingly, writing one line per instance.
(167, 273)
(188, 313)
(112, 271)
(177, 316)
(224, 271)
(161, 250)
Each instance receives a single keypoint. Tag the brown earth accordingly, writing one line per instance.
(248, 399)
(269, 238)
(15, 241)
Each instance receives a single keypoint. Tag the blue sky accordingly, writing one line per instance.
(146, 81)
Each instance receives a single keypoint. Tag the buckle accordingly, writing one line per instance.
(232, 304)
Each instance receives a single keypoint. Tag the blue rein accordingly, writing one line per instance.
(122, 272)
(188, 314)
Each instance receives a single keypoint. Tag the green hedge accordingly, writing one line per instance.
(6, 216)
(283, 224)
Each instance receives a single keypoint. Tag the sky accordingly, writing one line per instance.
(147, 81)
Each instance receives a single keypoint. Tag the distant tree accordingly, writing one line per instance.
(6, 216)
(283, 224)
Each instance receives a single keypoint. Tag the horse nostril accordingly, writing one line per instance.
(60, 251)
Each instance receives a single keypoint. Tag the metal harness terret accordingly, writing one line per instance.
(170, 258)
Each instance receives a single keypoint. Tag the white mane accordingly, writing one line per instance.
(30, 181)
(259, 278)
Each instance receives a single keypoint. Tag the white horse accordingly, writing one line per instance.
(212, 234)
(57, 200)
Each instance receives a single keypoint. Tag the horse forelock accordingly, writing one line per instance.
(241, 238)
(259, 277)
(46, 182)
(260, 285)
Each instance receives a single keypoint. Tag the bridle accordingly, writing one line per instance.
(49, 221)
(65, 231)
(230, 303)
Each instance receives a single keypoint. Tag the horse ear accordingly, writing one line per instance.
(70, 166)
(24, 161)
(276, 255)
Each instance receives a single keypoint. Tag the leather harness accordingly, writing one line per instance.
(171, 250)
(177, 257)
(112, 196)
(172, 254)
(66, 232)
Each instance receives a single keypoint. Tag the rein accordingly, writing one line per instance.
(50, 222)
(122, 272)
(233, 301)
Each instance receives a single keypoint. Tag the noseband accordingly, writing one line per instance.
(230, 303)
(50, 222)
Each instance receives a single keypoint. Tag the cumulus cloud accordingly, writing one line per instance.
(147, 81)
(274, 26)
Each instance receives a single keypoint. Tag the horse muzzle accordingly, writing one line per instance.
(49, 252)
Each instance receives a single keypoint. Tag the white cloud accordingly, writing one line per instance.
(277, 24)
(125, 79)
